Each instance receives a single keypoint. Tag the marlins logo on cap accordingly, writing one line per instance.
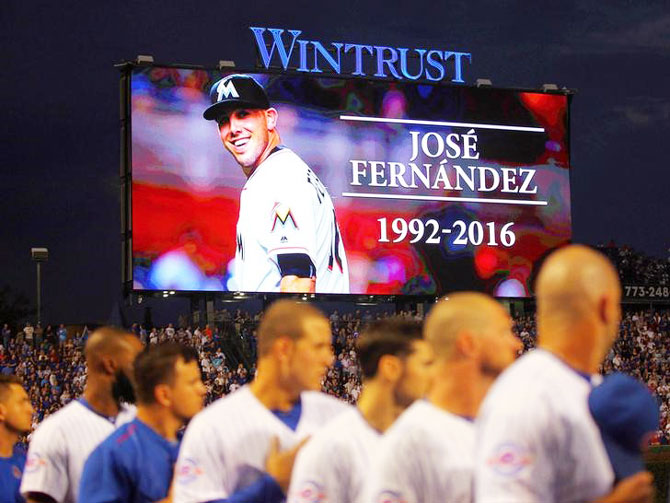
(235, 91)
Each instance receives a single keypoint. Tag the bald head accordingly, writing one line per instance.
(463, 312)
(573, 281)
(578, 304)
(110, 343)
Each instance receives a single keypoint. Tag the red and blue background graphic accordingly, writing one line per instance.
(185, 186)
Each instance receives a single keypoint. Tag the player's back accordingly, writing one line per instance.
(132, 465)
(536, 440)
(335, 461)
(426, 456)
(60, 446)
(225, 446)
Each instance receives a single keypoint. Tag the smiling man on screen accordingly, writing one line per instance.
(288, 239)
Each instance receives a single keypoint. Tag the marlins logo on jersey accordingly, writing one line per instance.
(285, 209)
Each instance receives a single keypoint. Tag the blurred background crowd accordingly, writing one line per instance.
(54, 370)
(51, 362)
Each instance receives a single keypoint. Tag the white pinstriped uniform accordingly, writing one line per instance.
(284, 208)
(536, 440)
(60, 446)
(426, 456)
(225, 446)
(333, 466)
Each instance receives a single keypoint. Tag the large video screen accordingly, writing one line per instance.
(300, 183)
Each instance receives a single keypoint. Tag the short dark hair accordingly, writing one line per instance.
(392, 336)
(156, 365)
(6, 382)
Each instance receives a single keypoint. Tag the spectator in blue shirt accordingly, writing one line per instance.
(16, 413)
(135, 464)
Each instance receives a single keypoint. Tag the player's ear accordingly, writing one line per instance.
(108, 365)
(282, 347)
(163, 395)
(3, 412)
(271, 118)
(466, 344)
(389, 367)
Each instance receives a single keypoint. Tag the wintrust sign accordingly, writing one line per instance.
(279, 47)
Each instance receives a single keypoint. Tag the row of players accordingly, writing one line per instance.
(412, 437)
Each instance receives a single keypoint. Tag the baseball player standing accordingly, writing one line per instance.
(288, 238)
(395, 364)
(62, 442)
(537, 441)
(135, 464)
(16, 413)
(427, 456)
(242, 447)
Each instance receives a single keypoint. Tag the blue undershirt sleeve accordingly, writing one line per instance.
(264, 490)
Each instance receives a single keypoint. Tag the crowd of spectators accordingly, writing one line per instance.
(53, 369)
(636, 268)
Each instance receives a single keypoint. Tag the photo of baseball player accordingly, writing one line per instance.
(334, 465)
(135, 464)
(427, 456)
(62, 443)
(16, 413)
(288, 238)
(537, 440)
(243, 446)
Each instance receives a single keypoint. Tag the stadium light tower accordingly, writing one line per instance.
(39, 255)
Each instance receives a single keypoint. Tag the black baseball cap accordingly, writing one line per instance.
(626, 413)
(235, 91)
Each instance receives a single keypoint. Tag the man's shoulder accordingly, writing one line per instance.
(322, 401)
(343, 429)
(286, 165)
(538, 373)
(418, 419)
(71, 413)
(235, 404)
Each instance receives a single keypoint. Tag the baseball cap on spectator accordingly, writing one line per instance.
(627, 414)
(235, 91)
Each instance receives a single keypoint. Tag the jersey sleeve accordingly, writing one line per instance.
(517, 454)
(46, 466)
(104, 480)
(317, 477)
(200, 471)
(291, 222)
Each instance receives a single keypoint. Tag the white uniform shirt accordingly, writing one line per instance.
(426, 456)
(333, 466)
(60, 446)
(536, 440)
(284, 208)
(225, 446)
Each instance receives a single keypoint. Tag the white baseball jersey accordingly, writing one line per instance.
(333, 466)
(426, 456)
(225, 446)
(536, 440)
(60, 446)
(285, 209)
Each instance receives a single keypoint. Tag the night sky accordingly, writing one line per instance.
(60, 102)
